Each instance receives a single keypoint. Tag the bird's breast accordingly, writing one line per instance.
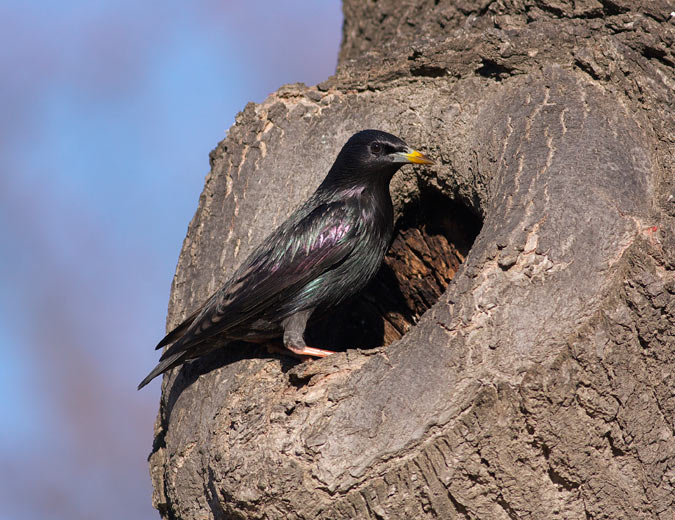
(376, 229)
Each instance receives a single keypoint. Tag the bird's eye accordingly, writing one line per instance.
(376, 149)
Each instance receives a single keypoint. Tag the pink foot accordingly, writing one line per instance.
(303, 352)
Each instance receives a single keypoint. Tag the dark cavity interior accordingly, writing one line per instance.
(431, 239)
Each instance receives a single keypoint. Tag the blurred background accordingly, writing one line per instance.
(108, 110)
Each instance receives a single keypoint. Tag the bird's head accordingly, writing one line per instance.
(371, 156)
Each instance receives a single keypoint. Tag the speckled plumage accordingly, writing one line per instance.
(327, 250)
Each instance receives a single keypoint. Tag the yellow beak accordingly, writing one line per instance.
(411, 156)
(416, 157)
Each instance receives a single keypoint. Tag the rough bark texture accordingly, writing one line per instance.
(540, 384)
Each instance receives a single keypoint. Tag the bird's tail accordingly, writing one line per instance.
(164, 365)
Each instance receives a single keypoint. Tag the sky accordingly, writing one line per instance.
(108, 111)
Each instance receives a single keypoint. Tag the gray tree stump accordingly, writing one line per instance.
(539, 381)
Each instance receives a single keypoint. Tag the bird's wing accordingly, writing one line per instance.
(291, 257)
(178, 331)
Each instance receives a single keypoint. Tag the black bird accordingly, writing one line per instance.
(327, 250)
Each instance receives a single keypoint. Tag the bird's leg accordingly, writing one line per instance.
(294, 336)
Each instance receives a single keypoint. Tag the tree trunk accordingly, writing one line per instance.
(539, 383)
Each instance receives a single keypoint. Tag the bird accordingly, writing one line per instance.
(326, 251)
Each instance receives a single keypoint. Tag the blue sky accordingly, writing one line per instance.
(108, 111)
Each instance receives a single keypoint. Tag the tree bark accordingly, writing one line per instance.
(540, 383)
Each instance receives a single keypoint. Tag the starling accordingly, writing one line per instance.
(327, 250)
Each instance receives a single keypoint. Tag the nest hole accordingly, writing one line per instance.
(432, 237)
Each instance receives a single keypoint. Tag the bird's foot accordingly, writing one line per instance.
(302, 352)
